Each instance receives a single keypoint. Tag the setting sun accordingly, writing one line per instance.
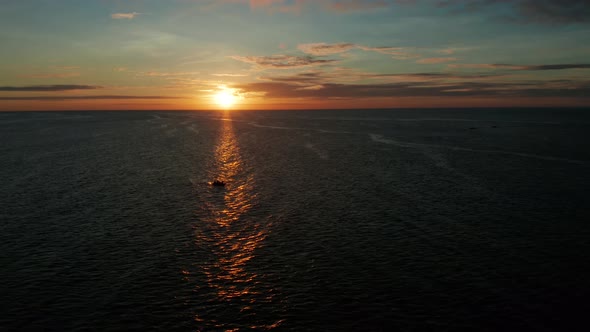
(225, 98)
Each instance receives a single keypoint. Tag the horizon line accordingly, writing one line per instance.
(305, 109)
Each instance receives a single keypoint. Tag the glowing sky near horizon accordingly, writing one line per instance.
(293, 54)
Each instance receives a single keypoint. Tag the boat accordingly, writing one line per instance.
(218, 183)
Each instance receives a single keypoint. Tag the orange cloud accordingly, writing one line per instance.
(325, 49)
(125, 16)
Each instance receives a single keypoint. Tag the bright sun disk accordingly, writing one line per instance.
(225, 98)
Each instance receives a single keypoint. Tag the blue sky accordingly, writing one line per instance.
(275, 54)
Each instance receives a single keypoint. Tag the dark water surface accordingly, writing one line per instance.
(330, 220)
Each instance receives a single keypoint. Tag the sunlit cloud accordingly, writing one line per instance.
(326, 49)
(447, 51)
(322, 49)
(66, 67)
(281, 61)
(125, 16)
(312, 87)
(401, 53)
(228, 75)
(168, 74)
(368, 45)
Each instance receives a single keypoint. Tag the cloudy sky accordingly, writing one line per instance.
(293, 54)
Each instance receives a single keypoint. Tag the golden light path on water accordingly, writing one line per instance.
(231, 236)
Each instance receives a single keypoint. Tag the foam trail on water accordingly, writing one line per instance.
(381, 139)
(320, 153)
(298, 128)
(193, 129)
(276, 127)
(171, 132)
(473, 120)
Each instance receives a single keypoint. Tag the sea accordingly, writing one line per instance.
(329, 220)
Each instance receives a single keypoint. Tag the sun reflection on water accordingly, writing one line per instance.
(231, 237)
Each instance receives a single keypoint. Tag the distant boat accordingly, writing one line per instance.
(218, 183)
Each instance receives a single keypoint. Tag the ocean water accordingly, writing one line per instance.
(400, 220)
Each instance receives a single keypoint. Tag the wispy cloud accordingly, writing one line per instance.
(228, 75)
(322, 49)
(281, 61)
(396, 52)
(436, 60)
(125, 16)
(66, 67)
(49, 88)
(447, 51)
(484, 66)
(326, 49)
(557, 67)
(168, 74)
(346, 76)
(522, 67)
(54, 72)
(349, 83)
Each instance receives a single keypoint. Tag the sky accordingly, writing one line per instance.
(293, 54)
